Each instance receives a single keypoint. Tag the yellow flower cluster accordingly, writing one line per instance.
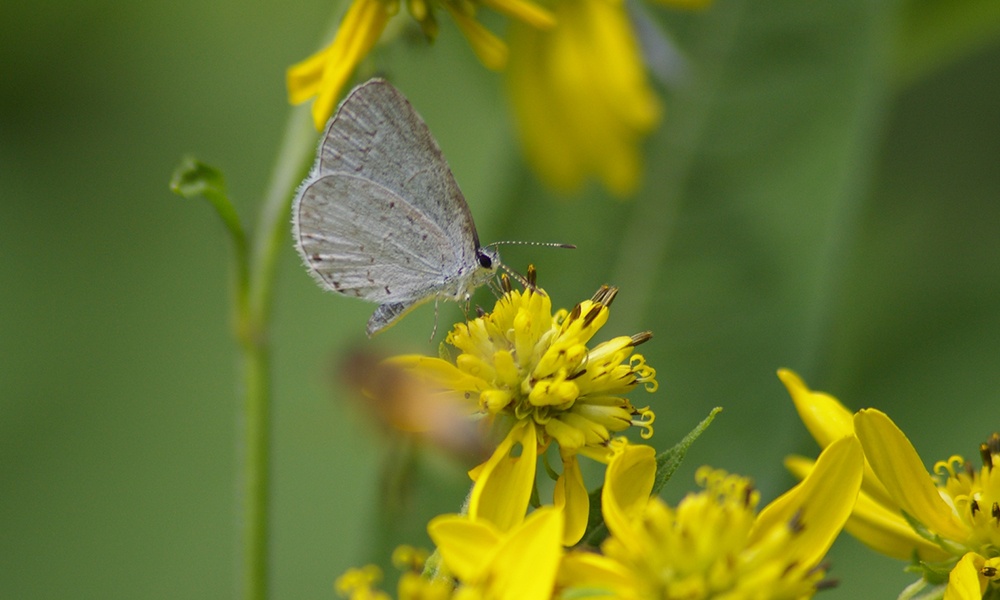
(713, 545)
(947, 523)
(530, 375)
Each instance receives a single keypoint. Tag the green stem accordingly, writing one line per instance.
(253, 305)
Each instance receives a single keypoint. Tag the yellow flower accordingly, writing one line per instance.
(529, 375)
(518, 564)
(714, 544)
(324, 74)
(581, 97)
(357, 584)
(948, 522)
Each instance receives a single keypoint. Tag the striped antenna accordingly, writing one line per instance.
(514, 243)
(526, 282)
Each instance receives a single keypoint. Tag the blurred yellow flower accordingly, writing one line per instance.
(580, 95)
(714, 544)
(529, 374)
(323, 75)
(948, 523)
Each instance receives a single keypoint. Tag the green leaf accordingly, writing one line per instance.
(668, 460)
(193, 178)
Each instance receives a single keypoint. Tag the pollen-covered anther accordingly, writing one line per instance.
(994, 443)
(601, 293)
(641, 338)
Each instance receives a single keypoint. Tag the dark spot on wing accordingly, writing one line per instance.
(336, 285)
(387, 290)
(392, 204)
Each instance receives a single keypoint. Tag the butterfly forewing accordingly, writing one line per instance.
(377, 135)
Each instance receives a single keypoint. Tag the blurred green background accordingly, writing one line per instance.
(822, 196)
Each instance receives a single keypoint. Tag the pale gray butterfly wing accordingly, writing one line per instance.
(380, 216)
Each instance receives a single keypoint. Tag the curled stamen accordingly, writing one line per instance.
(645, 374)
(941, 466)
(645, 421)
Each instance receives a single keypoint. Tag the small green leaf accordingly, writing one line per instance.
(194, 178)
(668, 460)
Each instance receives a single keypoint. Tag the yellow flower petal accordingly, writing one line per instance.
(825, 418)
(324, 74)
(887, 532)
(571, 496)
(628, 483)
(503, 484)
(489, 49)
(581, 97)
(304, 78)
(964, 582)
(828, 420)
(601, 576)
(898, 467)
(528, 12)
(525, 567)
(466, 545)
(822, 502)
(488, 563)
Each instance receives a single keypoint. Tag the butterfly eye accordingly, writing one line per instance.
(485, 260)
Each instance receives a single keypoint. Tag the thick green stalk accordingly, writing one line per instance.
(253, 306)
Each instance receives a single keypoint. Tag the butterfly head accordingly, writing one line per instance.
(488, 258)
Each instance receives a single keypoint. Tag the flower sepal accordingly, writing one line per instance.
(948, 546)
(923, 590)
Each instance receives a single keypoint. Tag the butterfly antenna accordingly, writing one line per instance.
(517, 243)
